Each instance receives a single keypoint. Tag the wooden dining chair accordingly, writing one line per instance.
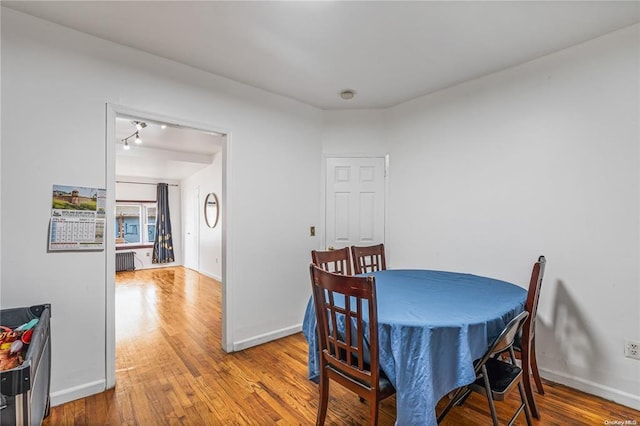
(526, 346)
(368, 258)
(337, 261)
(340, 302)
(495, 378)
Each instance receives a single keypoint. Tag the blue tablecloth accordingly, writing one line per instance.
(432, 325)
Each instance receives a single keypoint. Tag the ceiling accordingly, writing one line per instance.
(171, 153)
(388, 52)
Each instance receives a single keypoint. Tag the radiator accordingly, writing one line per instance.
(125, 261)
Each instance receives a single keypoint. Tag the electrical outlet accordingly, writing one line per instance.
(632, 349)
(312, 231)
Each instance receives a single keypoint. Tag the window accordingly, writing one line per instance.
(151, 222)
(135, 222)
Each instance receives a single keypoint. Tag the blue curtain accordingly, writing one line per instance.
(163, 243)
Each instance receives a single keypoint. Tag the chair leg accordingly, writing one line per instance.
(324, 399)
(534, 367)
(487, 387)
(523, 398)
(457, 396)
(523, 394)
(373, 412)
(526, 379)
(463, 398)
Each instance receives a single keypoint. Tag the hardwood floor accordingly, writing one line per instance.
(170, 369)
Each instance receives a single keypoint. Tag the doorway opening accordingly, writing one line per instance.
(145, 149)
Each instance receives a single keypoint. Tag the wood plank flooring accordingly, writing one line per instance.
(171, 370)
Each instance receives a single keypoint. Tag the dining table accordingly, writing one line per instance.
(432, 325)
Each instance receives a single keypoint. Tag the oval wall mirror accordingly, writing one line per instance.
(211, 210)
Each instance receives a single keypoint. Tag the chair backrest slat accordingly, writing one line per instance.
(368, 258)
(337, 261)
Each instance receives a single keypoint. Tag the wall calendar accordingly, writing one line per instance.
(77, 218)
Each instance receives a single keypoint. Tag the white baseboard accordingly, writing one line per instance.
(597, 389)
(606, 392)
(77, 392)
(267, 337)
(210, 275)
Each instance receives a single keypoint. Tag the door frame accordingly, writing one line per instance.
(111, 111)
(323, 202)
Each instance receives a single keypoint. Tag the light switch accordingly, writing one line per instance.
(312, 231)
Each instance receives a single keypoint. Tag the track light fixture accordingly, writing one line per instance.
(139, 126)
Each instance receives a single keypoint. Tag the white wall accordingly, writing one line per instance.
(55, 86)
(355, 132)
(137, 192)
(204, 182)
(539, 159)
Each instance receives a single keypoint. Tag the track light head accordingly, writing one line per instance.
(140, 124)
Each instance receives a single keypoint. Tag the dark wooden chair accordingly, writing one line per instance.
(337, 261)
(368, 258)
(339, 300)
(495, 378)
(526, 346)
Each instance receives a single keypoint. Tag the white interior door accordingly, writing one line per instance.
(192, 231)
(355, 201)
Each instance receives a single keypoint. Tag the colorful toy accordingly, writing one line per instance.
(14, 344)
